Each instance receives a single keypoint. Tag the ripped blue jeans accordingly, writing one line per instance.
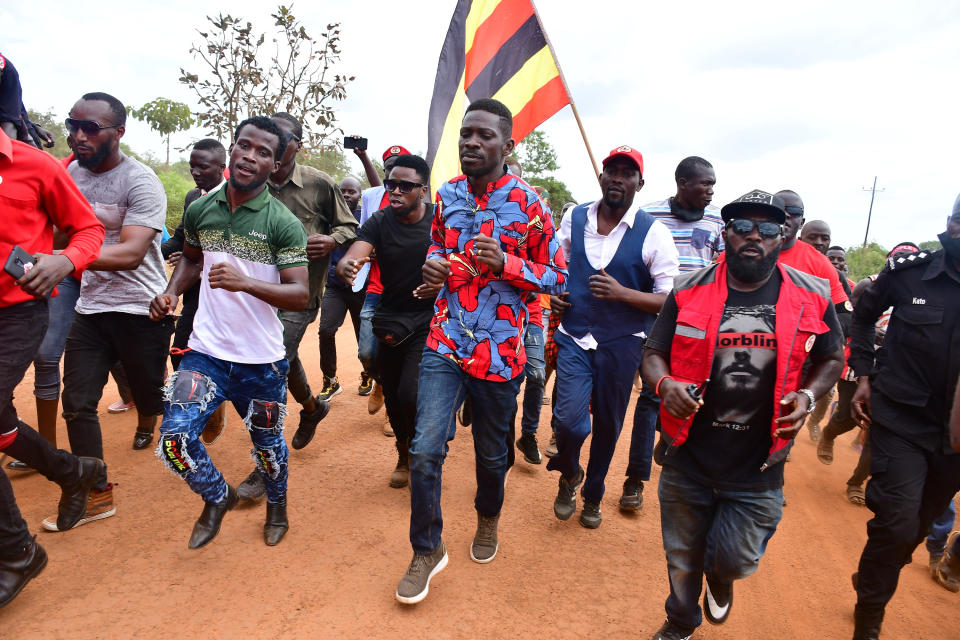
(192, 394)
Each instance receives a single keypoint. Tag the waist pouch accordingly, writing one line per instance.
(396, 328)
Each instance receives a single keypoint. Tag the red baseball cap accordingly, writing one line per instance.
(626, 152)
(395, 150)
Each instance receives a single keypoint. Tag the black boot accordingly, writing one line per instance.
(276, 525)
(17, 571)
(866, 621)
(208, 524)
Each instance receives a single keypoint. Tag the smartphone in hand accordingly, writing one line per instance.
(19, 262)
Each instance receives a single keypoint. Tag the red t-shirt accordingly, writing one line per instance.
(36, 194)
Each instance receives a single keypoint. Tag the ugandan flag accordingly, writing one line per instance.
(493, 49)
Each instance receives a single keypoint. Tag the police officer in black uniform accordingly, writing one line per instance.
(904, 393)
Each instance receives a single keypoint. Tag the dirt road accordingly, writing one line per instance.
(334, 575)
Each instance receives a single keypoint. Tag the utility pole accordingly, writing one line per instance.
(873, 193)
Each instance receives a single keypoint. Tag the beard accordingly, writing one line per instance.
(96, 159)
(404, 211)
(752, 270)
(253, 185)
(616, 202)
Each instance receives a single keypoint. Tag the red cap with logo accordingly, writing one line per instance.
(626, 152)
(395, 150)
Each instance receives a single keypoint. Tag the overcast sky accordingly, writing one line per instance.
(818, 97)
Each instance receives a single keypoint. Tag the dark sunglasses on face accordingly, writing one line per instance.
(793, 210)
(742, 227)
(405, 186)
(89, 127)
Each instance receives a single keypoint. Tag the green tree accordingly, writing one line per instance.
(865, 261)
(537, 156)
(558, 196)
(166, 117)
(930, 245)
(48, 121)
(297, 76)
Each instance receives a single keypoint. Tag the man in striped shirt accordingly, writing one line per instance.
(696, 227)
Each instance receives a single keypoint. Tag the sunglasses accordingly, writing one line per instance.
(89, 127)
(405, 186)
(793, 210)
(768, 230)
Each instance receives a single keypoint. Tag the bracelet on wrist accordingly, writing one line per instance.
(656, 389)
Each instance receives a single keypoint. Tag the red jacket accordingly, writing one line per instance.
(701, 296)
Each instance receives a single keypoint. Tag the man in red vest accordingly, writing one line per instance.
(725, 356)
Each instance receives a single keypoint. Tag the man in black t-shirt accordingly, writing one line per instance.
(725, 356)
(400, 235)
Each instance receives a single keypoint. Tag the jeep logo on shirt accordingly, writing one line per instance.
(257, 234)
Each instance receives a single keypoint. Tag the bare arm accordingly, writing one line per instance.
(291, 294)
(368, 168)
(358, 254)
(823, 374)
(656, 369)
(185, 275)
(128, 253)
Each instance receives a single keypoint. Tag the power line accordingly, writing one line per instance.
(873, 192)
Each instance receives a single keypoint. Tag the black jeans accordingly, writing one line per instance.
(22, 327)
(841, 422)
(95, 343)
(336, 303)
(399, 368)
(910, 487)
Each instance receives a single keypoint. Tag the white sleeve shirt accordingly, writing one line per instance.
(659, 252)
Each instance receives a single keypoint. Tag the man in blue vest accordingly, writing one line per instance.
(621, 263)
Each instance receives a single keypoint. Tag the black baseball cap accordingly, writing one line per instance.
(753, 201)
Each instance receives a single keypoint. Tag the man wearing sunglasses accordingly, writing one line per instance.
(112, 313)
(400, 235)
(726, 356)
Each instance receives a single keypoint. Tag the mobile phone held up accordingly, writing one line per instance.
(355, 142)
(18, 263)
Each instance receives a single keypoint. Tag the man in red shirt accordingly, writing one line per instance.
(36, 194)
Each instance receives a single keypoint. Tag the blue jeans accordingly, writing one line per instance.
(366, 341)
(600, 379)
(46, 364)
(714, 532)
(535, 372)
(195, 390)
(442, 388)
(644, 433)
(940, 531)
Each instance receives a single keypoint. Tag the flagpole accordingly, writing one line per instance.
(566, 88)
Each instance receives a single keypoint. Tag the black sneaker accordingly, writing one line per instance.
(632, 498)
(366, 384)
(308, 424)
(591, 517)
(671, 631)
(717, 601)
(331, 387)
(252, 488)
(566, 502)
(528, 447)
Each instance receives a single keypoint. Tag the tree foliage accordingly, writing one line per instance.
(48, 121)
(865, 261)
(537, 156)
(166, 117)
(929, 245)
(240, 80)
(558, 196)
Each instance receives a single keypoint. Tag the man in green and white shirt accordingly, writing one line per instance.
(249, 253)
